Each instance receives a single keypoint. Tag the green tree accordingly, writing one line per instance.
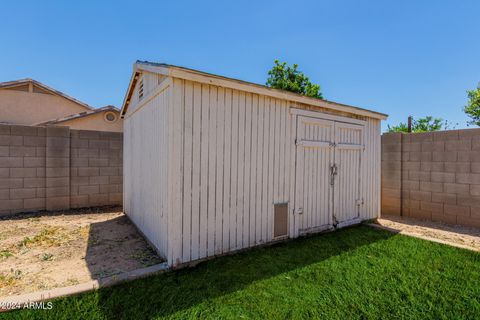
(421, 125)
(472, 109)
(291, 79)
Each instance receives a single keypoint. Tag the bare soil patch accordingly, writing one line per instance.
(451, 234)
(56, 249)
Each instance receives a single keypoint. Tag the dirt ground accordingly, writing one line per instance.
(450, 234)
(47, 250)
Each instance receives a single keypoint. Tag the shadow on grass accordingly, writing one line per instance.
(174, 291)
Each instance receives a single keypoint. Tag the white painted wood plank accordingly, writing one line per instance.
(271, 171)
(163, 155)
(170, 145)
(246, 185)
(259, 170)
(287, 142)
(299, 194)
(316, 214)
(308, 183)
(234, 221)
(313, 144)
(290, 141)
(227, 226)
(253, 171)
(212, 145)
(276, 156)
(281, 157)
(220, 153)
(177, 165)
(241, 169)
(320, 115)
(196, 144)
(265, 168)
(187, 173)
(349, 146)
(204, 171)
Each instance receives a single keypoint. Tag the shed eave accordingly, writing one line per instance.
(207, 78)
(202, 77)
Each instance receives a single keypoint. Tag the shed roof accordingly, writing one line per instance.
(16, 83)
(204, 77)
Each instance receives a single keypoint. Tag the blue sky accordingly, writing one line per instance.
(398, 57)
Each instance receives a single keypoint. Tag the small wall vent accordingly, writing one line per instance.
(110, 116)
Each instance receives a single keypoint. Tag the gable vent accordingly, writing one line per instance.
(140, 89)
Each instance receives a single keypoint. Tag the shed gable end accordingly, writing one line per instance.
(142, 86)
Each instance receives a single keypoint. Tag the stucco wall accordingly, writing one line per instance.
(28, 108)
(434, 176)
(95, 122)
(57, 168)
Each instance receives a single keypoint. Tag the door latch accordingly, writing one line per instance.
(333, 173)
(299, 211)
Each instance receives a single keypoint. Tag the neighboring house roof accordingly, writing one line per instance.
(203, 77)
(16, 83)
(77, 115)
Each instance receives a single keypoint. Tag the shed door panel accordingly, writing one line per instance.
(348, 151)
(314, 154)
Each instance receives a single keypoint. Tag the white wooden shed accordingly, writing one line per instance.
(213, 164)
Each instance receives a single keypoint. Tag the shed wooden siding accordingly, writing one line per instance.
(371, 174)
(146, 167)
(234, 159)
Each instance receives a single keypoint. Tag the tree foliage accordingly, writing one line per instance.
(472, 109)
(289, 78)
(426, 124)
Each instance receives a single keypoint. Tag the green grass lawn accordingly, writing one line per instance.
(355, 273)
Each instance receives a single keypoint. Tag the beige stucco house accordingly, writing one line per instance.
(29, 102)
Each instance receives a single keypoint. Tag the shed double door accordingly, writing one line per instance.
(327, 174)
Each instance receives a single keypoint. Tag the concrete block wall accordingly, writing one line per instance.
(391, 173)
(22, 169)
(96, 168)
(434, 176)
(57, 176)
(57, 168)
